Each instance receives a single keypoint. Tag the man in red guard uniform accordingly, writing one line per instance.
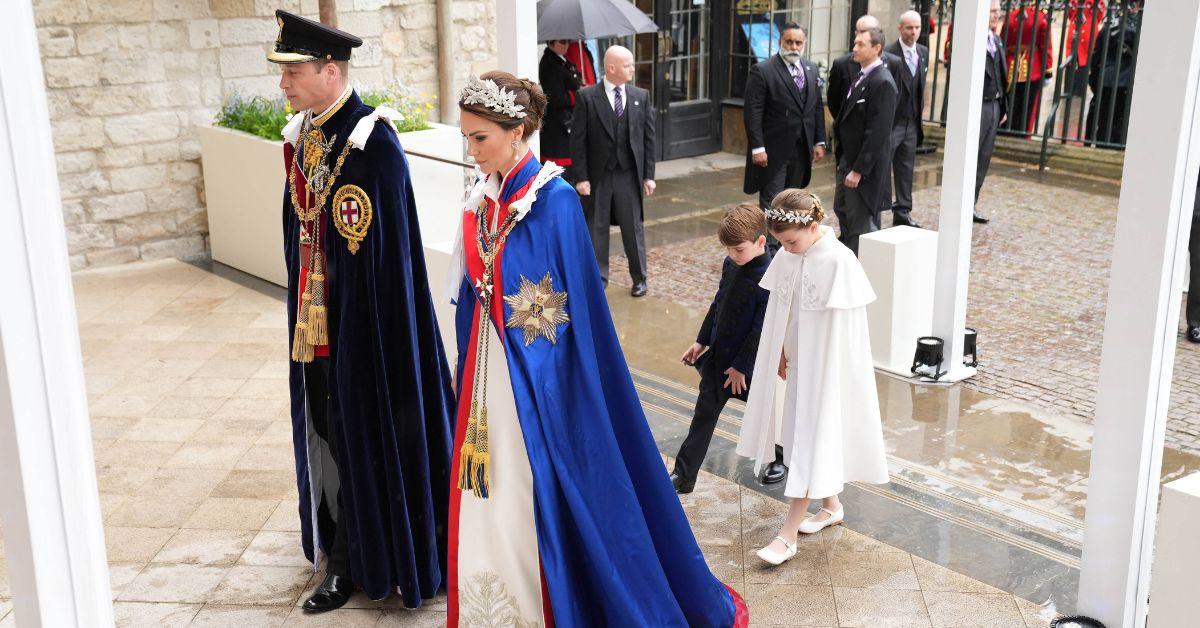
(370, 385)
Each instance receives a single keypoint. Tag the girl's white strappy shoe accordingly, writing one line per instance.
(775, 558)
(811, 527)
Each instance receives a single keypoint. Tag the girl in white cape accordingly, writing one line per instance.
(815, 339)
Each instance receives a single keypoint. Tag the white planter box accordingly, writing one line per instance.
(244, 186)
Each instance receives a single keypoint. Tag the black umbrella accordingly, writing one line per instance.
(590, 19)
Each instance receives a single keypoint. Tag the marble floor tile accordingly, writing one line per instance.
(277, 433)
(264, 389)
(121, 574)
(239, 407)
(726, 562)
(123, 480)
(878, 608)
(346, 618)
(221, 548)
(133, 453)
(154, 387)
(144, 511)
(235, 431)
(286, 517)
(272, 369)
(183, 483)
(156, 332)
(218, 616)
(225, 367)
(99, 383)
(808, 567)
(223, 513)
(110, 503)
(392, 603)
(222, 387)
(277, 586)
(277, 549)
(153, 615)
(412, 619)
(258, 485)
(253, 350)
(123, 406)
(981, 610)
(843, 539)
(112, 428)
(165, 430)
(884, 570)
(134, 545)
(1035, 615)
(172, 407)
(166, 367)
(273, 457)
(188, 584)
(207, 455)
(791, 605)
(934, 577)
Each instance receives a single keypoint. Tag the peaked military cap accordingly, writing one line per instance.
(302, 40)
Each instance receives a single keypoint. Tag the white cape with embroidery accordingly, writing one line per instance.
(826, 414)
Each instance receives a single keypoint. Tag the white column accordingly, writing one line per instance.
(1158, 185)
(516, 37)
(958, 182)
(48, 500)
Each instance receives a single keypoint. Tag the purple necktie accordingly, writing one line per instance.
(618, 104)
(798, 76)
(857, 79)
(991, 44)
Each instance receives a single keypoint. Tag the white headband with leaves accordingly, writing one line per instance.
(488, 93)
(803, 219)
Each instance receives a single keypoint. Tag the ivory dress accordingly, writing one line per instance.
(826, 415)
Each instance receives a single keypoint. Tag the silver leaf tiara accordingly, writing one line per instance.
(488, 93)
(803, 219)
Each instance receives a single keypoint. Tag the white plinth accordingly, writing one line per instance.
(1176, 553)
(900, 266)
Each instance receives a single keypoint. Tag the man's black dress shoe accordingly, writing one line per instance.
(774, 473)
(905, 220)
(681, 485)
(333, 594)
(1193, 334)
(639, 289)
(976, 218)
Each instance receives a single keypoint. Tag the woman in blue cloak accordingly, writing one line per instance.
(561, 510)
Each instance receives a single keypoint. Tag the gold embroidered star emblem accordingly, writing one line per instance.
(537, 309)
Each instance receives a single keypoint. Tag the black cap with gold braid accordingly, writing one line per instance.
(302, 40)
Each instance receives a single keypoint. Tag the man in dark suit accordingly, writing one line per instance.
(560, 81)
(843, 69)
(785, 121)
(995, 84)
(909, 74)
(612, 161)
(1192, 312)
(863, 131)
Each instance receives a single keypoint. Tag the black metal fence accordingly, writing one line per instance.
(1071, 66)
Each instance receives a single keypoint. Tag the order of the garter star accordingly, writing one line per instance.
(537, 309)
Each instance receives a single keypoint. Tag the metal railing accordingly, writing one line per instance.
(1071, 66)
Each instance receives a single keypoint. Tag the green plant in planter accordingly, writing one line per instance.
(266, 117)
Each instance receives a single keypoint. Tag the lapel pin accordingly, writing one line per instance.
(635, 102)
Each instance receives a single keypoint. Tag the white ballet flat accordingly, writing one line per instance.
(808, 526)
(778, 558)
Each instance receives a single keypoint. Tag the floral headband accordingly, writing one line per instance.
(488, 93)
(803, 219)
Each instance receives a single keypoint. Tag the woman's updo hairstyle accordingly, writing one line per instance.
(527, 94)
(794, 209)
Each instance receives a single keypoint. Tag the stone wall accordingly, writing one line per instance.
(128, 81)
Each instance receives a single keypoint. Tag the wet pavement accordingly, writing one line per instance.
(1039, 278)
(186, 375)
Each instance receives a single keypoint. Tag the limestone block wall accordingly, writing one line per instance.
(128, 82)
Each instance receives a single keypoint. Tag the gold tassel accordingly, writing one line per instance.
(481, 459)
(468, 450)
(302, 348)
(318, 315)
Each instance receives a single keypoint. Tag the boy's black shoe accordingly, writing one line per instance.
(979, 220)
(681, 485)
(1193, 334)
(774, 473)
(333, 594)
(639, 289)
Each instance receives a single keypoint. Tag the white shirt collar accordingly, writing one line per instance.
(609, 88)
(874, 64)
(912, 48)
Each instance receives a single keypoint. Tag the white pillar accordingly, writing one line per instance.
(48, 500)
(958, 182)
(516, 37)
(1158, 186)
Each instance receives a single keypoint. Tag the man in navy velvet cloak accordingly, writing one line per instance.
(369, 380)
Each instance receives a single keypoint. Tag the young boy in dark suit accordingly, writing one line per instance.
(730, 334)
